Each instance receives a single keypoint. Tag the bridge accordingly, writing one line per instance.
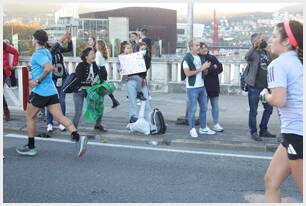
(163, 76)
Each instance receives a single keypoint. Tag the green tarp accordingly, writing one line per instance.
(95, 100)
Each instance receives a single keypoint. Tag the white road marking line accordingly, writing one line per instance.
(147, 148)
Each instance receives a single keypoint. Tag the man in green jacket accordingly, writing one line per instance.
(194, 69)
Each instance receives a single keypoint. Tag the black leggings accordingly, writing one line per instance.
(103, 73)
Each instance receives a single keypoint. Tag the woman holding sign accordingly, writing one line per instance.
(136, 85)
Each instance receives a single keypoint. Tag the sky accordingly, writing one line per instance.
(9, 7)
(198, 7)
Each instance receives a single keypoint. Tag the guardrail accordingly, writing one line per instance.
(163, 72)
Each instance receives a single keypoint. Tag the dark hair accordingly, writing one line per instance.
(41, 37)
(85, 53)
(144, 31)
(253, 37)
(93, 38)
(297, 31)
(134, 33)
(123, 45)
(102, 47)
(142, 43)
(203, 44)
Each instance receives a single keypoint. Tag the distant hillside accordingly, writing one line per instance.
(293, 9)
(253, 15)
(207, 18)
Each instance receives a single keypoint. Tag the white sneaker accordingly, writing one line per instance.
(49, 128)
(217, 127)
(61, 127)
(206, 130)
(193, 133)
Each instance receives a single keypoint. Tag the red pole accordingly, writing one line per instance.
(25, 86)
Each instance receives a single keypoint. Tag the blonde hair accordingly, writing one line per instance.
(102, 47)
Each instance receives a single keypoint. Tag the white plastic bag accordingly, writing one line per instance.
(141, 125)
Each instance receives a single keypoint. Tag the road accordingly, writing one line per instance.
(137, 173)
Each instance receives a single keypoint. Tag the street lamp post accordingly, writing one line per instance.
(190, 22)
(184, 119)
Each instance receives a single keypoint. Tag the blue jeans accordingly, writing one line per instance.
(253, 95)
(214, 101)
(62, 96)
(132, 93)
(78, 99)
(194, 95)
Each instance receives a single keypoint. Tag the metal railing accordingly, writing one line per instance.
(163, 70)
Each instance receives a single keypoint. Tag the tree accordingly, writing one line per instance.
(25, 32)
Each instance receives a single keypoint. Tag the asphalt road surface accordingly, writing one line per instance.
(121, 173)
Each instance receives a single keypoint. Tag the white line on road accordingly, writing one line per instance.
(148, 148)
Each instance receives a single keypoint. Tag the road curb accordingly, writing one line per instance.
(123, 136)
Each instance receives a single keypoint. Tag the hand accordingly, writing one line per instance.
(33, 83)
(13, 67)
(262, 95)
(206, 65)
(94, 81)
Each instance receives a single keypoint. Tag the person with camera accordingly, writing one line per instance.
(258, 59)
(59, 73)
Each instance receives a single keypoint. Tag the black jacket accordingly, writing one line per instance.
(58, 60)
(82, 72)
(211, 81)
(253, 59)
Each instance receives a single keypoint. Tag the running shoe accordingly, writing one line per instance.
(25, 150)
(49, 128)
(82, 145)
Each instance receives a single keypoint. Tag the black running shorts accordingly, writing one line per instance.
(42, 101)
(294, 146)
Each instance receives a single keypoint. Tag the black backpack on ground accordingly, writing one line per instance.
(157, 122)
(243, 84)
